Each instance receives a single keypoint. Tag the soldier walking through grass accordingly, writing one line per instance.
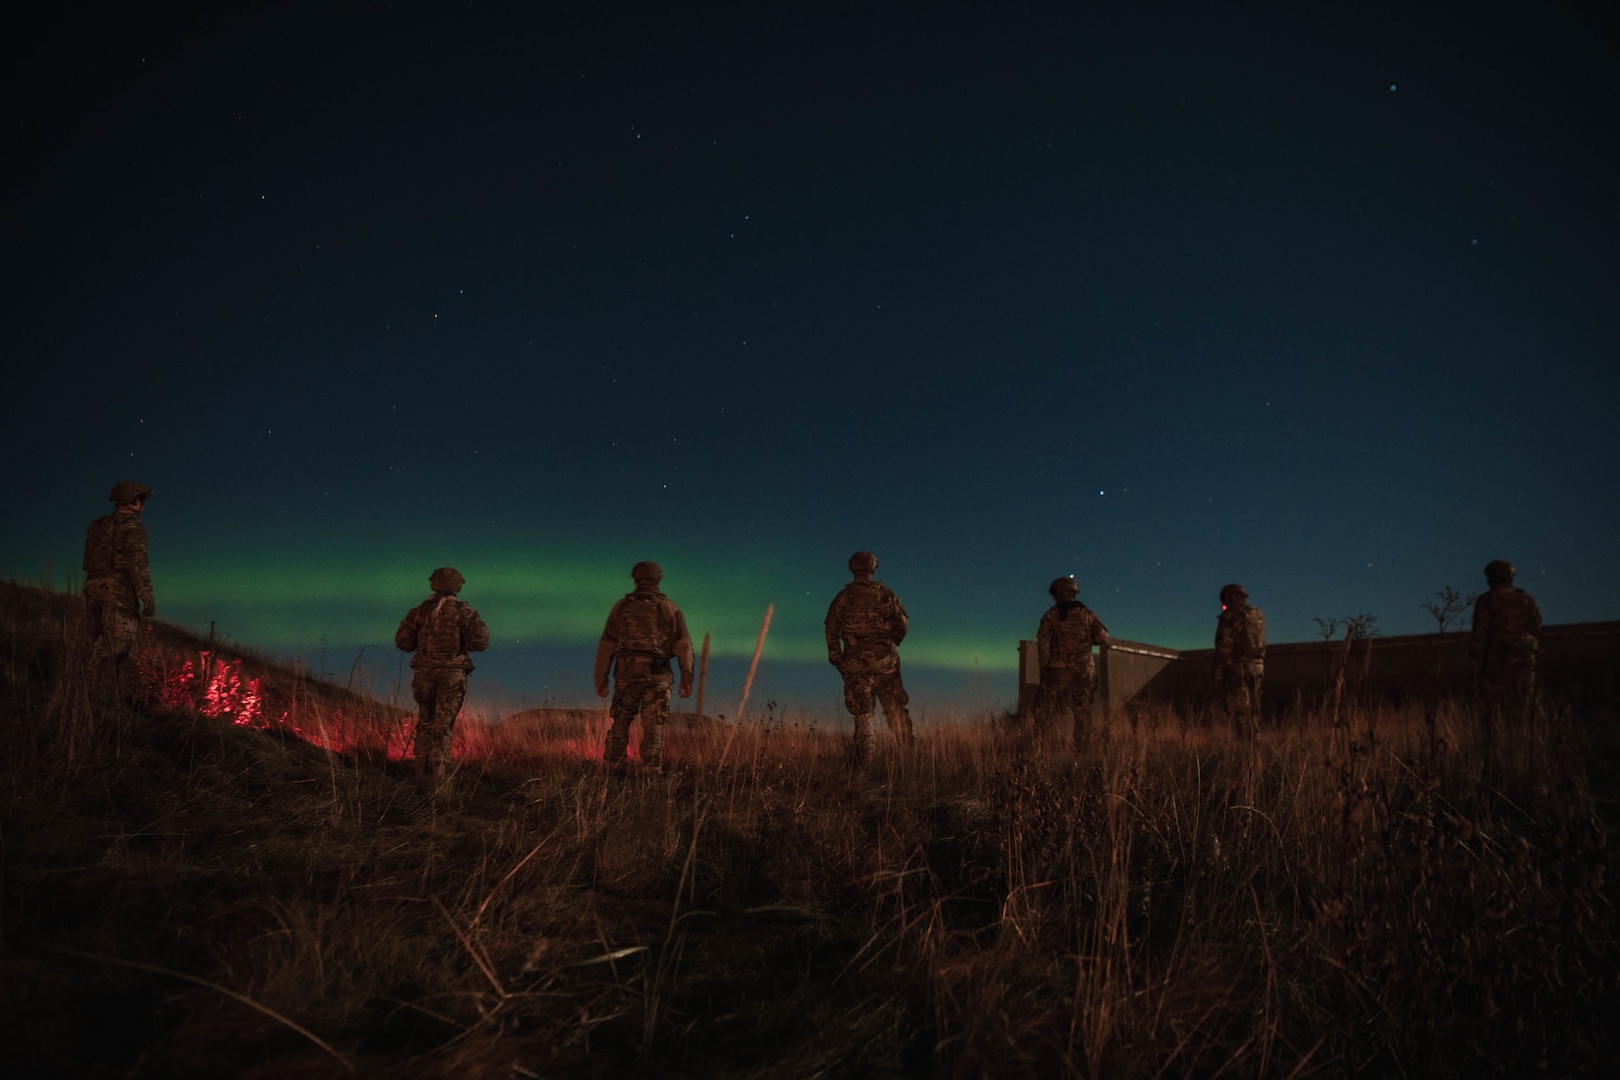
(117, 582)
(644, 631)
(1240, 660)
(1506, 638)
(1504, 647)
(440, 631)
(865, 625)
(1063, 644)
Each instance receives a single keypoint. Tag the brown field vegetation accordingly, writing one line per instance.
(219, 867)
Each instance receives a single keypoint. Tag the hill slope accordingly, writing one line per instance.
(189, 886)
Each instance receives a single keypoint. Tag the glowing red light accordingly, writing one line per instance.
(215, 686)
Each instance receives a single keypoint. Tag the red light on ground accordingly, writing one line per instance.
(203, 682)
(214, 686)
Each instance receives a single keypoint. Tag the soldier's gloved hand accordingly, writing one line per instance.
(835, 658)
(686, 689)
(149, 609)
(602, 691)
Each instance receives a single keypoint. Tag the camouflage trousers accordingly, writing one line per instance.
(1507, 678)
(1507, 693)
(114, 613)
(871, 680)
(439, 693)
(1238, 685)
(1066, 694)
(643, 693)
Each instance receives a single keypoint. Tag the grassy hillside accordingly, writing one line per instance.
(220, 867)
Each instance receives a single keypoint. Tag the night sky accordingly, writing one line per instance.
(1308, 297)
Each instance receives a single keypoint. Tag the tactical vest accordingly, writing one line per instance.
(101, 548)
(1251, 639)
(640, 628)
(439, 633)
(864, 611)
(1515, 615)
(1072, 635)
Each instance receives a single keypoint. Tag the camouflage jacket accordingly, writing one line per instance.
(1504, 617)
(441, 631)
(644, 625)
(115, 547)
(865, 613)
(1068, 631)
(1240, 636)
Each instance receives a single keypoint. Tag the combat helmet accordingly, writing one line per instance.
(1499, 572)
(649, 572)
(863, 562)
(1232, 593)
(1064, 586)
(446, 579)
(128, 491)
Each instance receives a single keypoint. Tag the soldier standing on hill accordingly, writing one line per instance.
(441, 631)
(117, 583)
(644, 631)
(1506, 640)
(865, 625)
(1068, 670)
(1240, 659)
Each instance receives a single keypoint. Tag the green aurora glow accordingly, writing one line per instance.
(292, 605)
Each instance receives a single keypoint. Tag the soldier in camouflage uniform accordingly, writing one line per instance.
(1506, 639)
(1068, 670)
(864, 626)
(1240, 659)
(644, 631)
(441, 631)
(117, 583)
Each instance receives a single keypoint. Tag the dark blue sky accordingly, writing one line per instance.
(1163, 296)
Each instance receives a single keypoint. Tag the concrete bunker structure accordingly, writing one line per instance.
(1581, 659)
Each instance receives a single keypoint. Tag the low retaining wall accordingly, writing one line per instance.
(1579, 660)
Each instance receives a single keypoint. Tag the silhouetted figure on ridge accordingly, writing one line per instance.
(1506, 638)
(1067, 633)
(1504, 647)
(644, 631)
(117, 582)
(1240, 660)
(865, 625)
(441, 631)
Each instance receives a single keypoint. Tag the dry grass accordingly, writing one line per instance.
(188, 895)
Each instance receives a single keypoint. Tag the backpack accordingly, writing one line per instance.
(1251, 643)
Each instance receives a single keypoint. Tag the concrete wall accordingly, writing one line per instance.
(1131, 669)
(1029, 677)
(1579, 660)
(1124, 670)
